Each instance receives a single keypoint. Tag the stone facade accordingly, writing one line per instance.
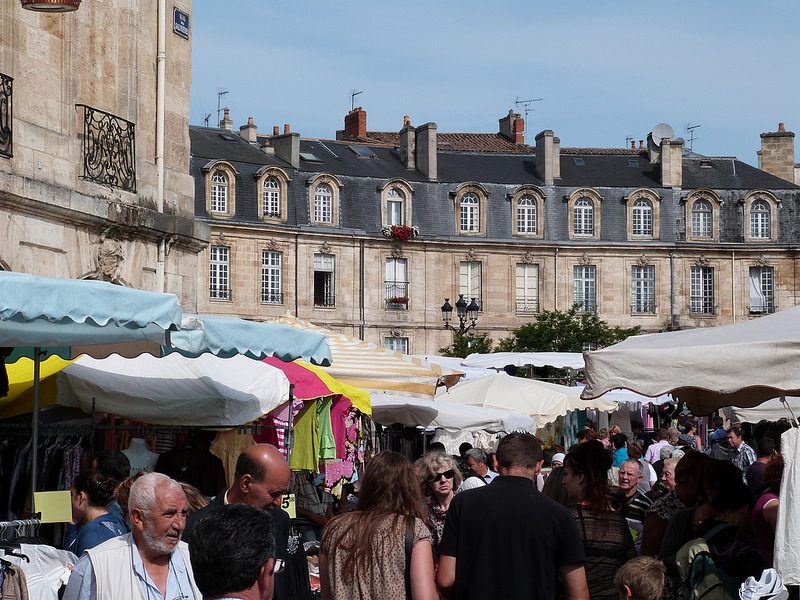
(59, 217)
(719, 249)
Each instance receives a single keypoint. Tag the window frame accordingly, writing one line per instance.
(537, 207)
(335, 186)
(404, 188)
(282, 179)
(714, 206)
(587, 302)
(225, 168)
(643, 289)
(219, 269)
(772, 204)
(596, 201)
(768, 295)
(702, 304)
(633, 203)
(270, 273)
(391, 346)
(478, 210)
(467, 291)
(396, 291)
(527, 304)
(328, 293)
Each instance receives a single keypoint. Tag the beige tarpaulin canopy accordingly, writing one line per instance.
(543, 401)
(376, 369)
(708, 368)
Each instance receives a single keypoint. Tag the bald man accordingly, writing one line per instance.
(262, 477)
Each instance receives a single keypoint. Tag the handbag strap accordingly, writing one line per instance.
(409, 545)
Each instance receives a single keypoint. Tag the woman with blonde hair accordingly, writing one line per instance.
(441, 480)
(383, 548)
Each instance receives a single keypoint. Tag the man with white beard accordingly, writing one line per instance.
(150, 562)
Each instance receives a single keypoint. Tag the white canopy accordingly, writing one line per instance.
(498, 360)
(174, 390)
(422, 412)
(545, 402)
(452, 363)
(771, 410)
(708, 368)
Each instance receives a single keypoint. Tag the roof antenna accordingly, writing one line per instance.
(690, 130)
(527, 105)
(206, 118)
(353, 95)
(219, 103)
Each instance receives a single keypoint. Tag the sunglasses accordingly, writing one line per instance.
(447, 475)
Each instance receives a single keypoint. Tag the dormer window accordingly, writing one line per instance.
(219, 192)
(220, 182)
(323, 204)
(702, 221)
(323, 196)
(394, 207)
(272, 184)
(470, 211)
(584, 214)
(271, 198)
(702, 216)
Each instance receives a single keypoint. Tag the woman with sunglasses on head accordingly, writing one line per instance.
(441, 480)
(382, 549)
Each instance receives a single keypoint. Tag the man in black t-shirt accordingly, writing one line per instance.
(506, 540)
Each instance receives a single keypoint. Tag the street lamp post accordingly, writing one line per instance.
(465, 313)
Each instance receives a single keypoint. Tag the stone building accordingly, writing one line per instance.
(650, 235)
(91, 184)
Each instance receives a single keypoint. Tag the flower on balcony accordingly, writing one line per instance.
(398, 300)
(402, 233)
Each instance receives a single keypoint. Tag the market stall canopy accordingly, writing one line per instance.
(629, 397)
(498, 360)
(229, 336)
(771, 410)
(708, 368)
(358, 398)
(307, 384)
(21, 378)
(374, 368)
(454, 363)
(545, 402)
(422, 412)
(174, 390)
(70, 317)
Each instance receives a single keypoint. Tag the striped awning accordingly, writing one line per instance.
(373, 368)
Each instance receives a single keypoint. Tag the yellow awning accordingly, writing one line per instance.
(359, 397)
(20, 378)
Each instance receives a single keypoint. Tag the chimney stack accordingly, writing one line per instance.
(276, 130)
(641, 145)
(512, 127)
(249, 132)
(672, 162)
(287, 146)
(548, 156)
(227, 122)
(408, 144)
(776, 156)
(633, 144)
(287, 128)
(355, 123)
(427, 150)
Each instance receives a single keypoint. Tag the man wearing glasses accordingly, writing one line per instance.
(261, 479)
(233, 554)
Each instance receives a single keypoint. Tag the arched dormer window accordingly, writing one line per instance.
(272, 184)
(584, 214)
(527, 212)
(702, 216)
(470, 209)
(323, 194)
(643, 214)
(395, 199)
(761, 217)
(220, 180)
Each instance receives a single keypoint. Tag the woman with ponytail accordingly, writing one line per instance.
(91, 524)
(607, 540)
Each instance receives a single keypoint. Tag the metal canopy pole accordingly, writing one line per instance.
(37, 358)
(290, 426)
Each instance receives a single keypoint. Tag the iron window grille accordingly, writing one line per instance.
(396, 295)
(109, 149)
(6, 122)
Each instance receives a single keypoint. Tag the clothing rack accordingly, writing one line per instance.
(21, 528)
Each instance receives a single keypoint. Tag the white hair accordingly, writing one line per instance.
(143, 491)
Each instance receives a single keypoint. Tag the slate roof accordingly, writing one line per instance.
(212, 143)
(456, 142)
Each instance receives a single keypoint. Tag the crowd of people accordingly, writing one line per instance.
(612, 517)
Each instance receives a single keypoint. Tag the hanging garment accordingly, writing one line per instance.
(305, 454)
(47, 570)
(787, 530)
(14, 585)
(339, 409)
(194, 464)
(327, 443)
(227, 446)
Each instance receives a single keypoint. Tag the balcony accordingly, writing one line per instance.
(527, 306)
(324, 300)
(765, 307)
(702, 306)
(396, 295)
(643, 305)
(271, 298)
(109, 149)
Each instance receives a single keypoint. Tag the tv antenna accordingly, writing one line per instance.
(690, 131)
(527, 108)
(219, 103)
(353, 95)
(206, 118)
(628, 140)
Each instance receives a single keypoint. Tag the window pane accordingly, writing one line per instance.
(396, 344)
(642, 217)
(396, 284)
(218, 282)
(323, 204)
(760, 226)
(701, 219)
(271, 199)
(584, 287)
(527, 288)
(583, 217)
(219, 192)
(271, 277)
(470, 212)
(526, 215)
(643, 289)
(470, 282)
(702, 290)
(323, 280)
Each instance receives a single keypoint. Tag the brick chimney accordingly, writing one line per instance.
(287, 146)
(249, 132)
(426, 150)
(355, 123)
(776, 156)
(227, 122)
(547, 158)
(512, 127)
(672, 162)
(408, 144)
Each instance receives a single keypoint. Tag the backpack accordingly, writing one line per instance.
(701, 577)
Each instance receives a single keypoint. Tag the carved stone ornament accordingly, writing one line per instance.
(397, 333)
(326, 248)
(108, 256)
(584, 259)
(761, 261)
(470, 254)
(397, 251)
(701, 261)
(220, 237)
(270, 244)
(642, 261)
(528, 258)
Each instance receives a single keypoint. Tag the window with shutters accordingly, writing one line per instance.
(762, 290)
(527, 288)
(470, 284)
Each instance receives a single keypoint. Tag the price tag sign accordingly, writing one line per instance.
(287, 504)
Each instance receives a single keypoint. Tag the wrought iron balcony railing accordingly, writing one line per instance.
(643, 306)
(325, 300)
(699, 305)
(527, 306)
(272, 297)
(396, 295)
(585, 305)
(6, 122)
(766, 306)
(109, 149)
(218, 292)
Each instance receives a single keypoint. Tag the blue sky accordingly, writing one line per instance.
(604, 70)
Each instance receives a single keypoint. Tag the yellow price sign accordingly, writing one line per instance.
(288, 504)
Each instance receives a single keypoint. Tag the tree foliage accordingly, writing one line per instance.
(570, 331)
(465, 344)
